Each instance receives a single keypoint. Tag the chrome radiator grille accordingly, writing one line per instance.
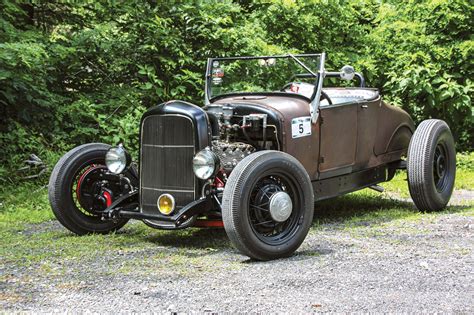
(166, 153)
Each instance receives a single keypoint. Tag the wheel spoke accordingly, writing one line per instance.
(260, 217)
(265, 222)
(265, 193)
(259, 208)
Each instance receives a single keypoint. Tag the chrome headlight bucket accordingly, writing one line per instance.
(117, 159)
(205, 164)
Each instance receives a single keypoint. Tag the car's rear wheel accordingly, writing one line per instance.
(80, 187)
(267, 206)
(431, 165)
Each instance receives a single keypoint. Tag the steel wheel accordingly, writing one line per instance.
(273, 209)
(267, 206)
(80, 187)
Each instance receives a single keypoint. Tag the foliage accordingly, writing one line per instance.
(427, 54)
(465, 161)
(75, 72)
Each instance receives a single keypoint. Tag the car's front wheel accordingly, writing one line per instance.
(80, 188)
(431, 165)
(268, 205)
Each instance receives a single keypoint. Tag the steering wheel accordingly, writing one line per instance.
(324, 95)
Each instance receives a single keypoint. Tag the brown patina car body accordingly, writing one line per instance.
(264, 147)
(356, 135)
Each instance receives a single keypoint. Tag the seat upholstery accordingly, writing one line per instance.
(349, 95)
(336, 94)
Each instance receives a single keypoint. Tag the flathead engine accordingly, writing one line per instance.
(235, 136)
(230, 154)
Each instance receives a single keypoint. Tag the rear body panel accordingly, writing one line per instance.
(394, 129)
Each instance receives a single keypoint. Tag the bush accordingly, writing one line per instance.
(72, 72)
(465, 161)
(423, 52)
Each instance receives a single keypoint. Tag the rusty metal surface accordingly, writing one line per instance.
(391, 119)
(338, 137)
(354, 136)
(367, 124)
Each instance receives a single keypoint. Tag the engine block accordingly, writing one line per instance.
(231, 153)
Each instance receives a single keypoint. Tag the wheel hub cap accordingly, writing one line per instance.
(280, 206)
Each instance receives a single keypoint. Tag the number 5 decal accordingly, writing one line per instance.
(300, 127)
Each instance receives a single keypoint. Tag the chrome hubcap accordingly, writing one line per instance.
(280, 206)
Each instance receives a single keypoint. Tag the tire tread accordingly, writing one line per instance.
(231, 212)
(419, 164)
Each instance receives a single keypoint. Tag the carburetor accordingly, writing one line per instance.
(224, 114)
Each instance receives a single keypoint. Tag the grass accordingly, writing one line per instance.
(399, 184)
(28, 239)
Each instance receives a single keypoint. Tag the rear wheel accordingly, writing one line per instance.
(80, 188)
(431, 165)
(267, 206)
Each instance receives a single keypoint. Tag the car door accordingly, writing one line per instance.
(367, 121)
(338, 139)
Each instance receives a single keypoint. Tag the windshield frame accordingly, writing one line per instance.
(315, 73)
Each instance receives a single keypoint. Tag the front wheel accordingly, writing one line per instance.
(267, 206)
(80, 188)
(431, 165)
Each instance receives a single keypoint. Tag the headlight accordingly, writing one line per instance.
(205, 164)
(117, 159)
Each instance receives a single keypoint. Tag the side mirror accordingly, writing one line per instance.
(347, 73)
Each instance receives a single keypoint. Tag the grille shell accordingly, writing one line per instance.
(166, 151)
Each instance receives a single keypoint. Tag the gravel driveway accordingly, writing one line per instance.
(392, 266)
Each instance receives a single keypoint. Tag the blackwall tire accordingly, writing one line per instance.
(431, 165)
(60, 191)
(255, 176)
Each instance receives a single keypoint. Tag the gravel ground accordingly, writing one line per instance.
(397, 266)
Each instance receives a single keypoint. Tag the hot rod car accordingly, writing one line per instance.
(270, 140)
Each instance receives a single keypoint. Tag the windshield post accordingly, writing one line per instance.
(315, 103)
(207, 85)
(302, 64)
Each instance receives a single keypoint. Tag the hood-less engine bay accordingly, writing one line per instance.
(236, 135)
